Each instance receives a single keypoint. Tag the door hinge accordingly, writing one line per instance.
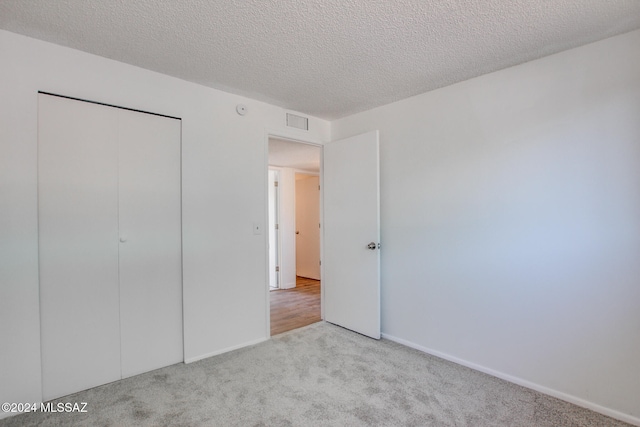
(320, 262)
(275, 183)
(277, 268)
(277, 226)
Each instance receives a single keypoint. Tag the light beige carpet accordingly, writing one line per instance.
(320, 375)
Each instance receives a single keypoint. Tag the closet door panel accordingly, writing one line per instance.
(78, 245)
(150, 242)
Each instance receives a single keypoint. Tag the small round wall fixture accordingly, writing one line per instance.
(241, 109)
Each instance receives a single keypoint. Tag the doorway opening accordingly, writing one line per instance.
(294, 234)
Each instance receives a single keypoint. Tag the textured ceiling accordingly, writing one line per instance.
(327, 58)
(294, 155)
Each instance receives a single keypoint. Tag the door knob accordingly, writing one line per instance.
(371, 246)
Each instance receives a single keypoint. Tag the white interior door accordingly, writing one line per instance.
(150, 242)
(308, 226)
(78, 245)
(351, 257)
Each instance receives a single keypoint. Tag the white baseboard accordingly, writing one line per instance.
(224, 350)
(519, 381)
(289, 285)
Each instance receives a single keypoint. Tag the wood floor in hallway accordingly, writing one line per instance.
(295, 308)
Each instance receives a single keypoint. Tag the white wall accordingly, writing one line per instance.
(224, 193)
(511, 222)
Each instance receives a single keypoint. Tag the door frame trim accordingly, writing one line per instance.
(277, 209)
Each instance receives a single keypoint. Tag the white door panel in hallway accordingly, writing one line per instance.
(273, 197)
(308, 226)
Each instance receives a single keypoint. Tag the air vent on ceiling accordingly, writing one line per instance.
(297, 122)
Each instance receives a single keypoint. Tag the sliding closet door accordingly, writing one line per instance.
(110, 243)
(150, 242)
(78, 245)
